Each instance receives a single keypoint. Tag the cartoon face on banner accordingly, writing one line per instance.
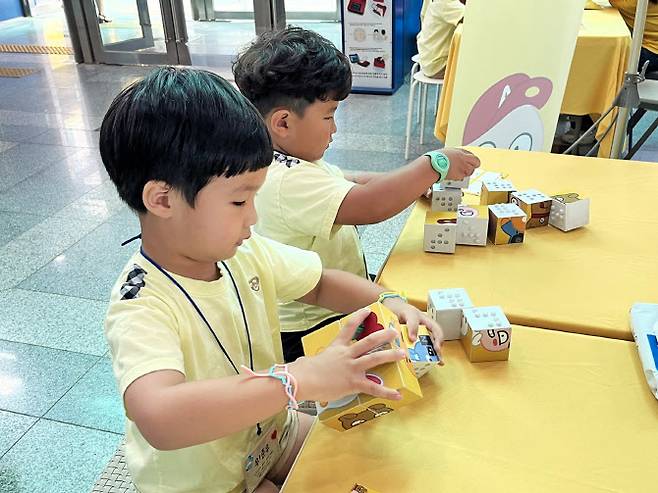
(507, 115)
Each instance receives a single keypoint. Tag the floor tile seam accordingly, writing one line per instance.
(22, 434)
(76, 382)
(41, 346)
(60, 295)
(27, 140)
(49, 260)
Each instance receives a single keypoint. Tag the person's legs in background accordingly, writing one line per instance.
(101, 12)
(652, 58)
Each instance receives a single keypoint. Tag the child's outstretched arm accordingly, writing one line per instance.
(344, 292)
(384, 195)
(172, 413)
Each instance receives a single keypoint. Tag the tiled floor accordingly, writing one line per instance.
(61, 224)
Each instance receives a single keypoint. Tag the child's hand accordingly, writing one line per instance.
(462, 163)
(340, 369)
(412, 317)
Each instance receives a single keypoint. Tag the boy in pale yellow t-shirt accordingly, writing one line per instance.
(296, 79)
(439, 19)
(194, 311)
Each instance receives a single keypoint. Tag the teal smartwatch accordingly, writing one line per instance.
(440, 163)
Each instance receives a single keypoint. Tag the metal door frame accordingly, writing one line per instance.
(81, 16)
(213, 15)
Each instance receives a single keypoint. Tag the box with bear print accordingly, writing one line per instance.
(357, 409)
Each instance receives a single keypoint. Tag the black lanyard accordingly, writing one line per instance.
(205, 320)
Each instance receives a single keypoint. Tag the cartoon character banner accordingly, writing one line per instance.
(513, 65)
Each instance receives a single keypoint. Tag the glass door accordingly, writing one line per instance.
(134, 31)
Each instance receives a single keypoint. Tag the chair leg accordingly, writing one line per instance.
(436, 101)
(410, 110)
(420, 98)
(642, 140)
(423, 105)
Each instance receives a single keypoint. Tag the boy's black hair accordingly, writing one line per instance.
(183, 127)
(292, 68)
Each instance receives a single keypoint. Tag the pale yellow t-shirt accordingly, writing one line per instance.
(297, 206)
(439, 20)
(627, 10)
(151, 326)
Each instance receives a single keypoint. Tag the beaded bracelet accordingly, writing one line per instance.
(390, 294)
(281, 373)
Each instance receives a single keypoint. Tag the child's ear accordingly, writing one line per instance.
(279, 123)
(157, 199)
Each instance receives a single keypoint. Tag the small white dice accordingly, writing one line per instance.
(569, 211)
(445, 199)
(446, 307)
(472, 224)
(496, 192)
(440, 235)
(535, 204)
(507, 224)
(463, 183)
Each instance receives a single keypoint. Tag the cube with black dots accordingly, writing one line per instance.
(445, 199)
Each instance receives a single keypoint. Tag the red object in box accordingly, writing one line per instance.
(357, 6)
(379, 62)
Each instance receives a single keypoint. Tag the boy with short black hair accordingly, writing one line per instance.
(296, 79)
(194, 312)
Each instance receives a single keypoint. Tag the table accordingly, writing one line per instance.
(583, 281)
(597, 71)
(567, 413)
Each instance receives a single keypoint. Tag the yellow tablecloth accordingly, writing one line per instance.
(567, 413)
(583, 281)
(597, 71)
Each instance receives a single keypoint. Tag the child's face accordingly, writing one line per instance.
(309, 136)
(221, 218)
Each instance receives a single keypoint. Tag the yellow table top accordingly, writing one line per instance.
(596, 74)
(566, 413)
(583, 281)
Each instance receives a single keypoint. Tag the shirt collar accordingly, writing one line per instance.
(289, 161)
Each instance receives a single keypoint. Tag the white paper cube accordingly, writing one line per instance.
(472, 224)
(446, 307)
(445, 199)
(569, 211)
(463, 183)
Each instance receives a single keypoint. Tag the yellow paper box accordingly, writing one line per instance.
(356, 409)
(422, 355)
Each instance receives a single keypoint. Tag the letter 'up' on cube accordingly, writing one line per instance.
(506, 224)
(569, 211)
(472, 224)
(496, 192)
(446, 307)
(440, 234)
(486, 334)
(445, 199)
(535, 204)
(463, 183)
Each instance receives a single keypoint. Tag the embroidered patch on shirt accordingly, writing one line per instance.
(289, 161)
(134, 282)
(254, 283)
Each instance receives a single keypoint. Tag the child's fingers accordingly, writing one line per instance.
(433, 327)
(347, 332)
(380, 337)
(368, 361)
(411, 320)
(371, 388)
